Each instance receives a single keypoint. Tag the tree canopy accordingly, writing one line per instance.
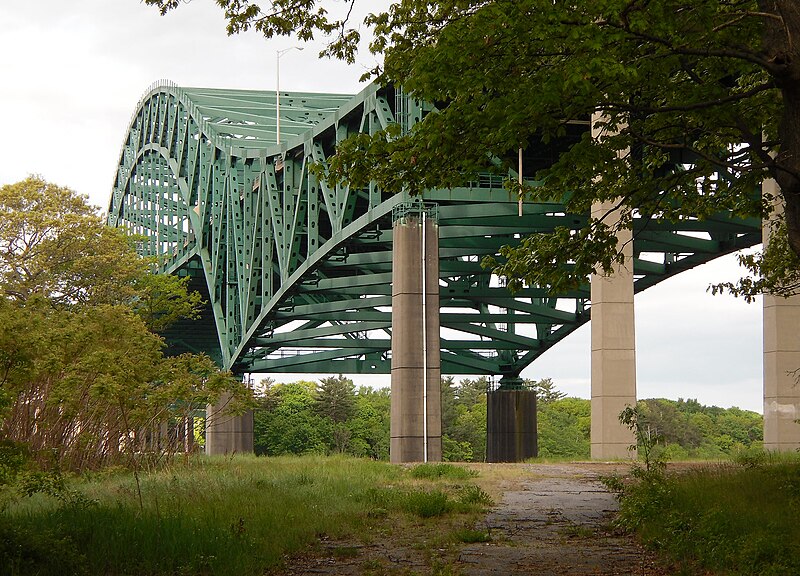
(694, 102)
(306, 417)
(83, 378)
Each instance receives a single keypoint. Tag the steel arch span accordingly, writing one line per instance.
(296, 273)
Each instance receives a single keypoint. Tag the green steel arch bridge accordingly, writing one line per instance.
(296, 274)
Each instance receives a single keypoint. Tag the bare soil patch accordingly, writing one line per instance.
(549, 519)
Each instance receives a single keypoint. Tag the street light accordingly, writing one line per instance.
(278, 55)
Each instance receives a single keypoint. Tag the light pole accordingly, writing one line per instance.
(278, 55)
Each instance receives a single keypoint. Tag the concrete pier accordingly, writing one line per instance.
(781, 361)
(416, 364)
(613, 350)
(227, 434)
(511, 425)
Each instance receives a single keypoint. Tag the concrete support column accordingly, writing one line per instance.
(781, 359)
(226, 434)
(416, 364)
(613, 350)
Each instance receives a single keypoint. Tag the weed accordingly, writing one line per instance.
(302, 479)
(577, 531)
(470, 536)
(431, 471)
(28, 550)
(209, 516)
(216, 515)
(426, 504)
(751, 457)
(614, 483)
(474, 495)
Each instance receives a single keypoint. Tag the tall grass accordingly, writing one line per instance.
(738, 520)
(213, 516)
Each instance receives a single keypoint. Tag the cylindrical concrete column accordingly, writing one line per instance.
(226, 433)
(511, 425)
(613, 350)
(416, 413)
(781, 358)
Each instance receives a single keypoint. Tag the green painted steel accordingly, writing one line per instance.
(297, 273)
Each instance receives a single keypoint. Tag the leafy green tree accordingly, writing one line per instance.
(663, 419)
(686, 428)
(699, 103)
(55, 246)
(464, 419)
(564, 426)
(304, 417)
(290, 425)
(336, 398)
(371, 423)
(83, 378)
(448, 390)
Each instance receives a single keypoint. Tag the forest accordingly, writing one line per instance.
(333, 416)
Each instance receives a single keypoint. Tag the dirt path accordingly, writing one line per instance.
(550, 519)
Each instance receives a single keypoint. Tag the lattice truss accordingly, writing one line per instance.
(297, 274)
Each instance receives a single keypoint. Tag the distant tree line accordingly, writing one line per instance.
(333, 416)
(330, 416)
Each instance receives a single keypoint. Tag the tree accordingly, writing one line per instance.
(546, 391)
(699, 103)
(54, 245)
(564, 428)
(304, 417)
(336, 398)
(687, 428)
(82, 374)
(464, 419)
(288, 423)
(371, 423)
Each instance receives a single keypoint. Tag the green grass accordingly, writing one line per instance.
(731, 519)
(432, 471)
(215, 516)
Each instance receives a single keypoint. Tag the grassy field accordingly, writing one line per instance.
(238, 515)
(733, 519)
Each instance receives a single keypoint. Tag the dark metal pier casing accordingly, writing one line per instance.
(511, 425)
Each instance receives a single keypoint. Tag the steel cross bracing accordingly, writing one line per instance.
(296, 273)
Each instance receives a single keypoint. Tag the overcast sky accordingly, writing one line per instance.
(72, 72)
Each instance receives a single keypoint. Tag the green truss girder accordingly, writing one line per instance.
(296, 273)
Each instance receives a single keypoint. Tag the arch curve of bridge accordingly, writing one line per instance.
(297, 273)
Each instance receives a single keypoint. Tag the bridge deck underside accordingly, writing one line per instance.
(297, 273)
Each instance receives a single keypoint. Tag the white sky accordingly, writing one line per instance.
(71, 73)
